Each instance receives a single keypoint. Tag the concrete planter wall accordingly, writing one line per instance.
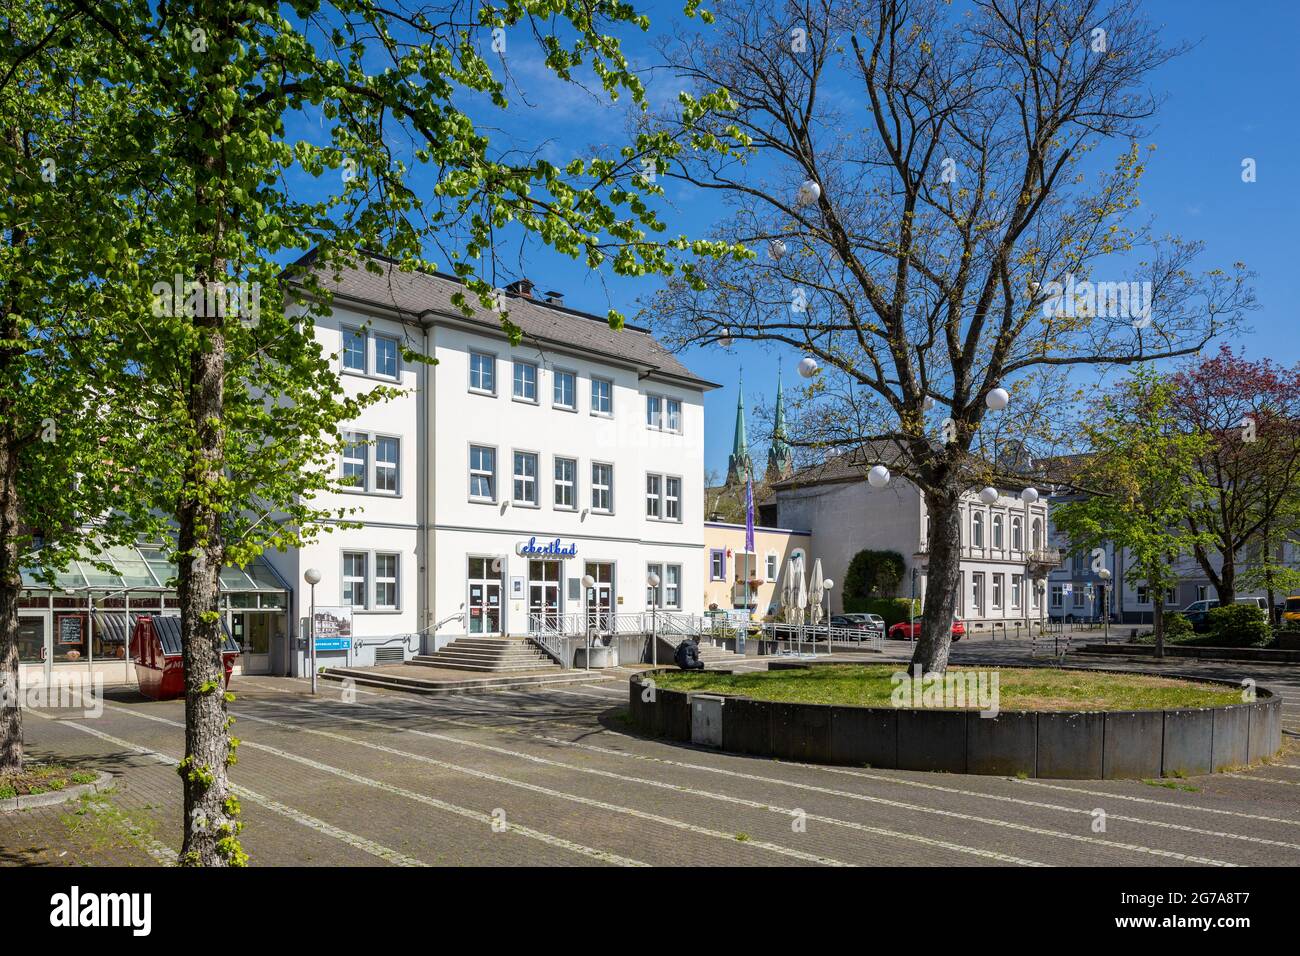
(1087, 745)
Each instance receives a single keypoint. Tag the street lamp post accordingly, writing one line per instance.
(828, 584)
(652, 580)
(588, 585)
(1104, 574)
(312, 577)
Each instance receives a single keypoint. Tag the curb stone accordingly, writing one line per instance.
(54, 797)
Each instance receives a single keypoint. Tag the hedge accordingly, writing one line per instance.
(892, 610)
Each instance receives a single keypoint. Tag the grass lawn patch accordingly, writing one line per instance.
(43, 778)
(1019, 688)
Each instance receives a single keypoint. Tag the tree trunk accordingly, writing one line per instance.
(943, 578)
(11, 586)
(1158, 619)
(211, 812)
(1227, 588)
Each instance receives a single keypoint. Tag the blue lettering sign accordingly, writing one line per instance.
(550, 549)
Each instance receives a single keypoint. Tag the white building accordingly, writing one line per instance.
(1003, 545)
(504, 473)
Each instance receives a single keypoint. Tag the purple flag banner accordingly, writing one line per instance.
(749, 515)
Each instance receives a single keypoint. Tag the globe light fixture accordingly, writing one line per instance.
(878, 477)
(808, 367)
(998, 399)
(1104, 574)
(1029, 495)
(588, 581)
(725, 339)
(777, 249)
(809, 192)
(989, 495)
(311, 576)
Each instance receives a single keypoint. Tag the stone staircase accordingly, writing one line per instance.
(497, 655)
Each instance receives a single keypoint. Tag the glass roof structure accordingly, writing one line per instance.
(146, 568)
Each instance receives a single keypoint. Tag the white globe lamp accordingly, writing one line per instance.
(998, 399)
(776, 248)
(809, 192)
(989, 495)
(878, 476)
(808, 367)
(1029, 495)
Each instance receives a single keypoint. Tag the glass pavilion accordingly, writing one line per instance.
(82, 618)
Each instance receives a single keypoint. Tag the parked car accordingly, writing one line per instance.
(874, 621)
(904, 631)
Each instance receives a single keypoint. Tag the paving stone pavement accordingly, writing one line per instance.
(551, 776)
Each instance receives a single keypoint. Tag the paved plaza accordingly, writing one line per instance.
(552, 776)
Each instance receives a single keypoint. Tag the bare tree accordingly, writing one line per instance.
(928, 220)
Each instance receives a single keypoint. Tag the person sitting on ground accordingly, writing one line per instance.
(688, 656)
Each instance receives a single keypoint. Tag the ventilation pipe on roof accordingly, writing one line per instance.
(522, 287)
(555, 297)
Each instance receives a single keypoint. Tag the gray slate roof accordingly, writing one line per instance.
(423, 296)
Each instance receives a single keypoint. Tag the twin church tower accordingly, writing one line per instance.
(740, 466)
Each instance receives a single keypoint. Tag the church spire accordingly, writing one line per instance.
(739, 465)
(779, 463)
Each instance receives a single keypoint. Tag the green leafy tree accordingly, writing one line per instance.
(252, 409)
(1142, 481)
(69, 206)
(874, 574)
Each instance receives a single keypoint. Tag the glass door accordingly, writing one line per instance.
(600, 597)
(543, 594)
(254, 634)
(483, 614)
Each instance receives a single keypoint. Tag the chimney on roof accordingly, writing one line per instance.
(522, 287)
(555, 297)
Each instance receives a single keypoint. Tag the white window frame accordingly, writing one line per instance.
(395, 581)
(654, 495)
(664, 502)
(662, 418)
(492, 366)
(672, 502)
(1058, 596)
(1017, 591)
(558, 375)
(517, 455)
(997, 592)
(558, 483)
(481, 472)
(369, 352)
(771, 565)
(395, 466)
(1017, 534)
(517, 366)
(998, 528)
(977, 529)
(608, 383)
(347, 579)
(361, 440)
(608, 488)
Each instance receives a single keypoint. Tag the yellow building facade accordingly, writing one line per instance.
(730, 568)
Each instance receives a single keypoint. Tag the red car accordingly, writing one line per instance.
(903, 631)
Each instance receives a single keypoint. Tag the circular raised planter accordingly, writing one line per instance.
(53, 797)
(1079, 745)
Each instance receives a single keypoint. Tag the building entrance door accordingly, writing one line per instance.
(543, 594)
(254, 633)
(483, 613)
(600, 597)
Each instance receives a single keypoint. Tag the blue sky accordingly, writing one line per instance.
(1230, 97)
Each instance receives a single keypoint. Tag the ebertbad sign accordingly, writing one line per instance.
(549, 549)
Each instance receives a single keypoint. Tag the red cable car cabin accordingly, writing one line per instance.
(156, 653)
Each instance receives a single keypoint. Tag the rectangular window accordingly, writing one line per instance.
(355, 584)
(566, 473)
(717, 565)
(483, 373)
(653, 408)
(653, 594)
(672, 499)
(771, 567)
(1017, 583)
(602, 396)
(386, 356)
(672, 586)
(652, 492)
(565, 390)
(977, 593)
(997, 592)
(602, 487)
(525, 476)
(482, 473)
(387, 456)
(526, 381)
(1144, 595)
(356, 458)
(674, 422)
(386, 581)
(354, 350)
(1058, 595)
